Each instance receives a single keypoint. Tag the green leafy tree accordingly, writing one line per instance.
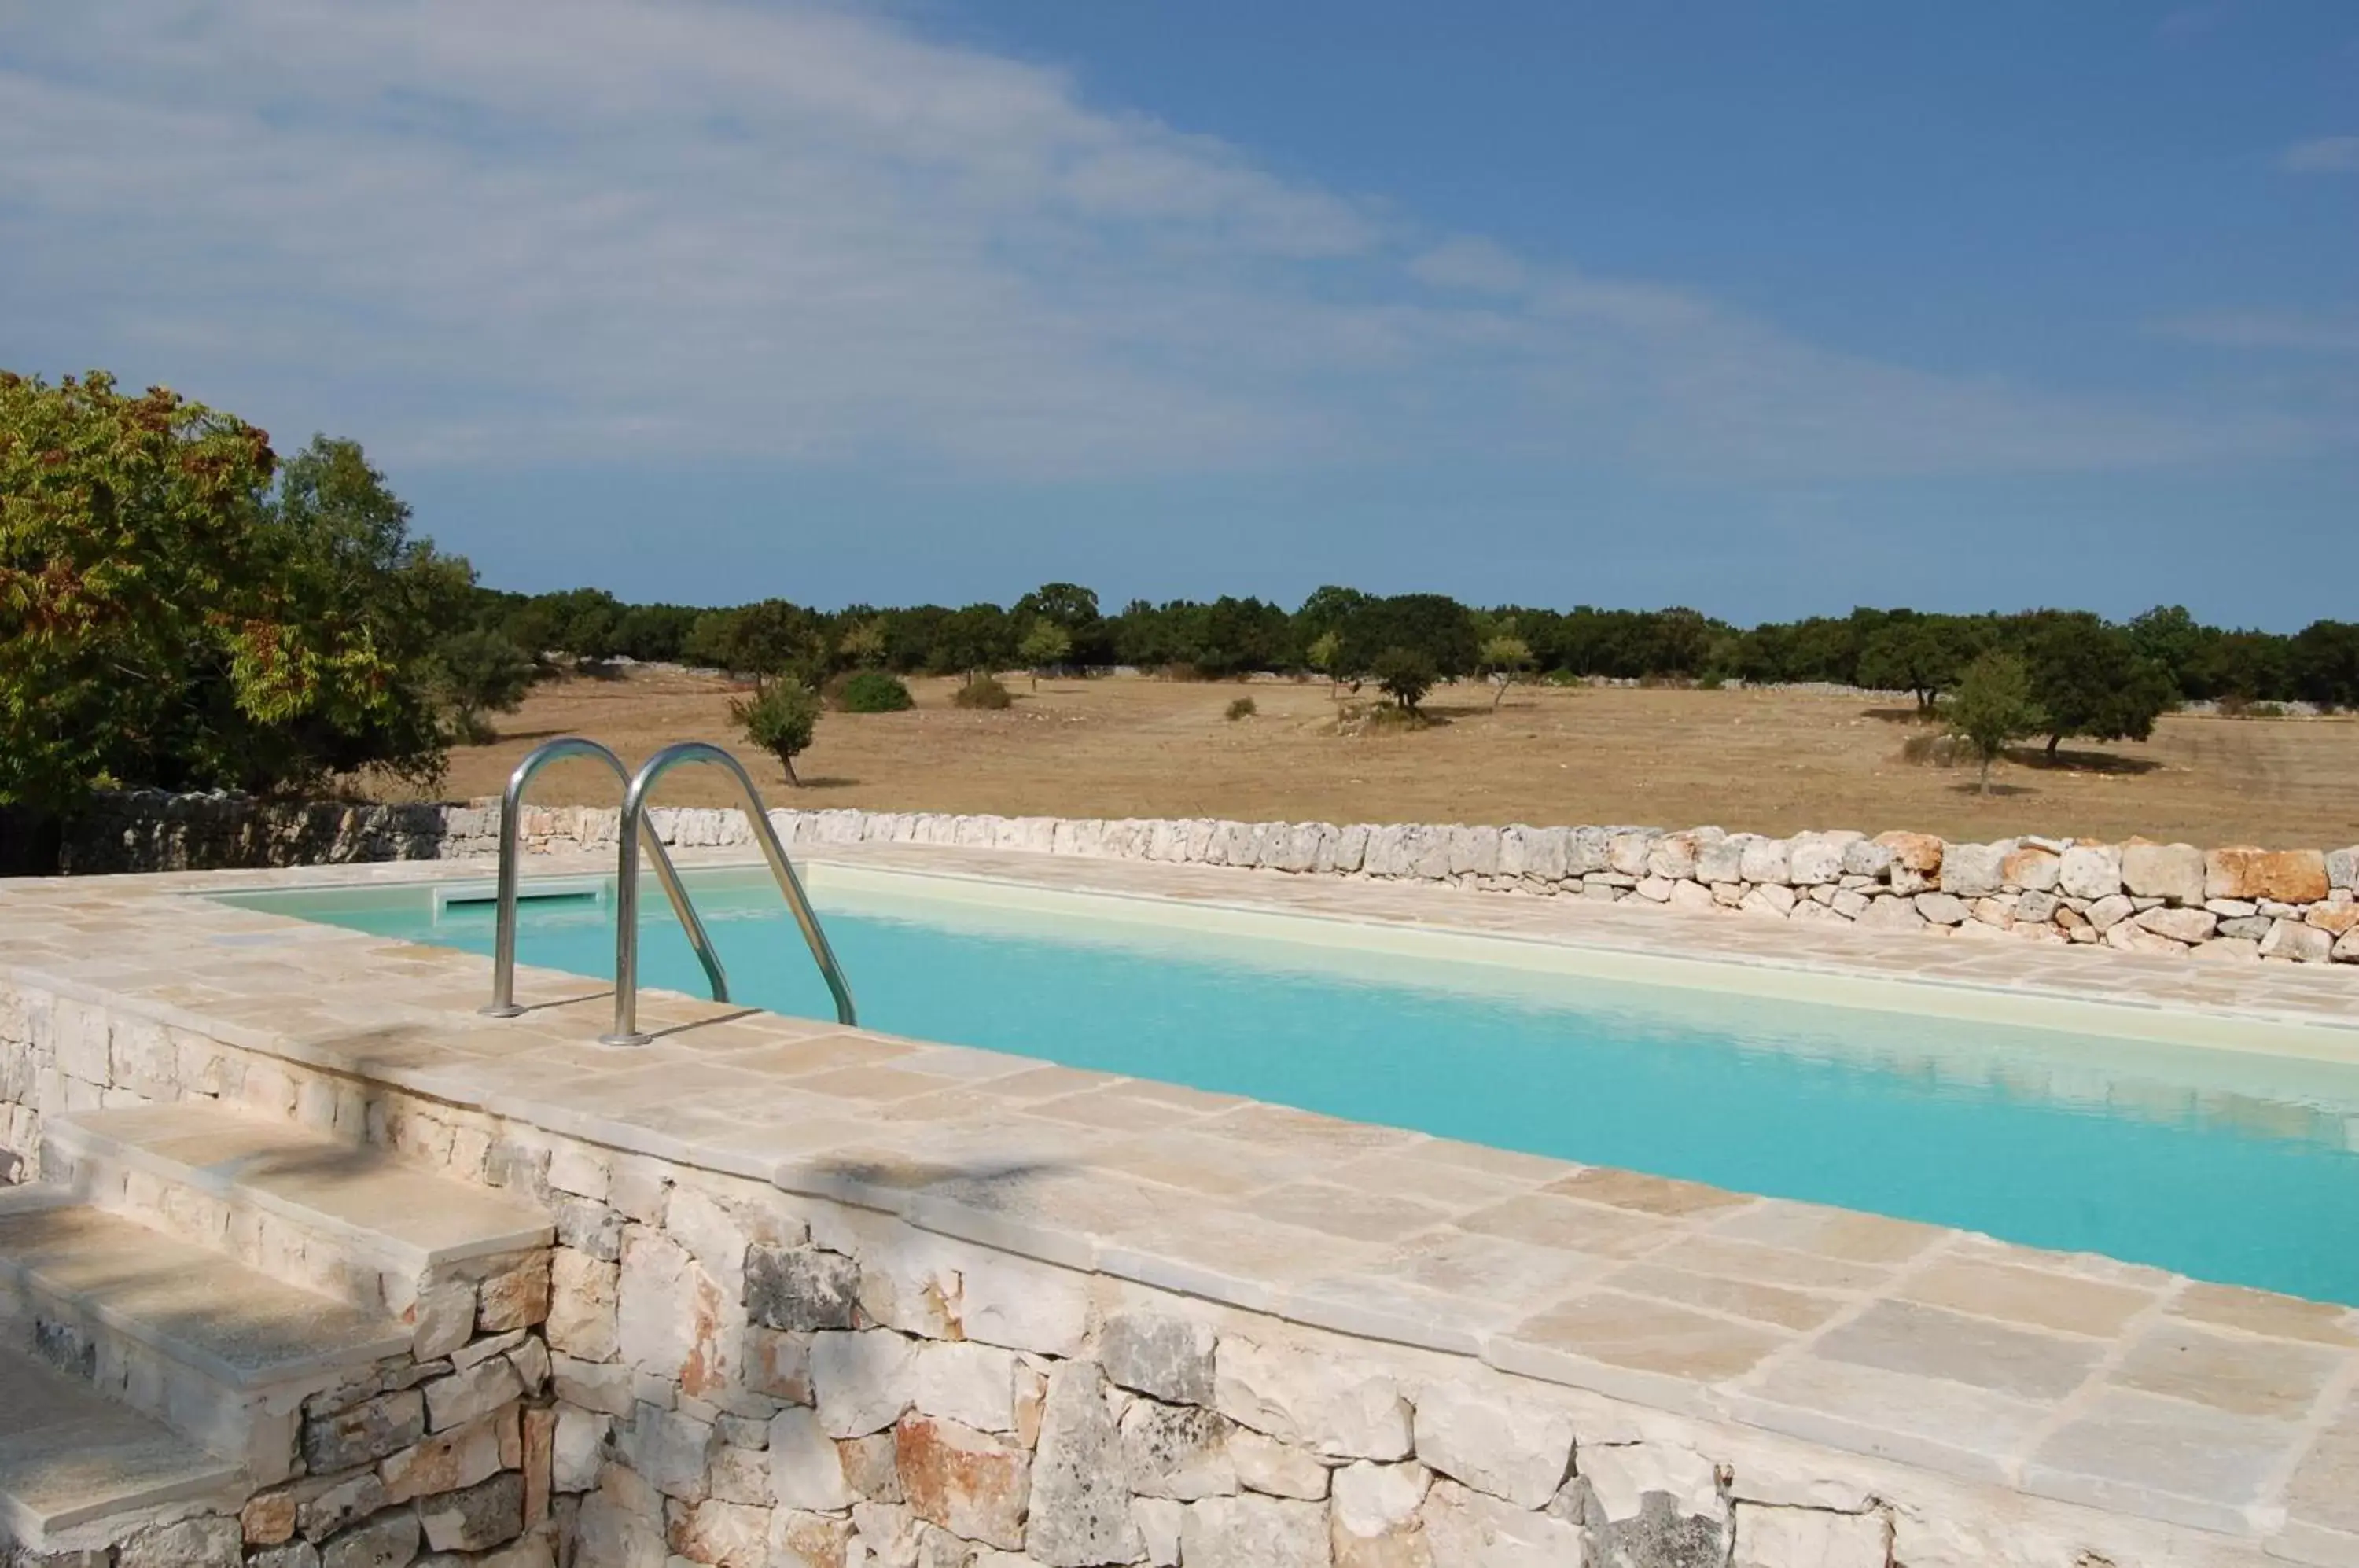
(1991, 706)
(780, 718)
(483, 672)
(2325, 663)
(2090, 680)
(1501, 659)
(766, 640)
(1045, 645)
(177, 612)
(1325, 654)
(1404, 674)
(1920, 655)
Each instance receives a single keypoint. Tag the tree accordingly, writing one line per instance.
(2325, 663)
(1920, 655)
(765, 640)
(863, 643)
(1325, 654)
(1434, 624)
(169, 618)
(2089, 678)
(1501, 658)
(1404, 674)
(1991, 705)
(483, 672)
(780, 719)
(1045, 645)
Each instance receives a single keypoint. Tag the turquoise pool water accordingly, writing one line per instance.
(2225, 1165)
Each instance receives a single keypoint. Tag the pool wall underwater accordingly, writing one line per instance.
(821, 1292)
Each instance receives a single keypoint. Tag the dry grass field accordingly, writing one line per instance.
(1770, 762)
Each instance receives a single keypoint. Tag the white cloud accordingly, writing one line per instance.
(545, 230)
(2266, 330)
(2322, 154)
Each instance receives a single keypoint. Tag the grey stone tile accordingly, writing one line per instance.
(1927, 1342)
(2163, 1459)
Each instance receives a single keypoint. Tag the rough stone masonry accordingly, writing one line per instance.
(2229, 904)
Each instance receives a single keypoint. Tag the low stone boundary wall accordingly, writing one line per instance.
(2224, 904)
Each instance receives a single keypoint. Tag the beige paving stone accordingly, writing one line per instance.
(1927, 1342)
(1112, 1107)
(2030, 1296)
(1334, 1209)
(1706, 1254)
(819, 1053)
(1543, 1219)
(1042, 1082)
(2323, 1492)
(1469, 1264)
(2259, 1311)
(1931, 1422)
(1635, 1331)
(2162, 1459)
(2228, 1372)
(1833, 1233)
(1738, 1298)
(1286, 1127)
(1428, 1181)
(867, 1084)
(1648, 1195)
(1215, 1166)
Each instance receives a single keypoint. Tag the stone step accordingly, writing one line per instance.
(218, 1352)
(81, 1473)
(349, 1222)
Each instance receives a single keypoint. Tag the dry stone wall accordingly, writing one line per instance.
(2222, 904)
(722, 1373)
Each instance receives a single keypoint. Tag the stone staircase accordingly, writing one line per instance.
(227, 1339)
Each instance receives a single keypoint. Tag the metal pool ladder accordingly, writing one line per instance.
(633, 829)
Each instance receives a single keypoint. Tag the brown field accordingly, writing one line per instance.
(1770, 762)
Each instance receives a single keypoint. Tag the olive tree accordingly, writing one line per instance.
(1990, 706)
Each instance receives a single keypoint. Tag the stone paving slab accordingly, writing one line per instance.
(196, 1307)
(2075, 1377)
(357, 1196)
(69, 1456)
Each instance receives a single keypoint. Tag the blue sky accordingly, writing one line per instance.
(1765, 310)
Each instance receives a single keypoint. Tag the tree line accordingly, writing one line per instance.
(183, 607)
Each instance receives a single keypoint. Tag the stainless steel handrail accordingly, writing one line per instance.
(503, 1003)
(626, 888)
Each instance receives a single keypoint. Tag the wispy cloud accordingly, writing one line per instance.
(2321, 154)
(611, 228)
(2331, 333)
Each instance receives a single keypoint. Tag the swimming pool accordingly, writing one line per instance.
(2236, 1165)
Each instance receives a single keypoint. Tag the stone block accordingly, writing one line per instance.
(582, 1309)
(1252, 1531)
(364, 1433)
(970, 1483)
(2032, 868)
(597, 1387)
(1177, 1450)
(2109, 911)
(1771, 899)
(346, 1502)
(811, 1541)
(443, 1463)
(578, 1448)
(1766, 860)
(2172, 871)
(2342, 868)
(2180, 925)
(1723, 859)
(1918, 852)
(477, 1391)
(1673, 858)
(872, 1467)
(1265, 1464)
(1509, 1447)
(777, 1364)
(1942, 908)
(2346, 948)
(1080, 1514)
(806, 1470)
(860, 1381)
(2090, 871)
(1335, 1409)
(722, 1534)
(962, 1381)
(669, 1449)
(2291, 876)
(1170, 1357)
(1773, 1537)
(1814, 859)
(1373, 1522)
(477, 1518)
(1975, 870)
(444, 1318)
(212, 1542)
(388, 1540)
(516, 1298)
(1463, 1526)
(269, 1518)
(290, 1555)
(2295, 939)
(672, 1322)
(1158, 1526)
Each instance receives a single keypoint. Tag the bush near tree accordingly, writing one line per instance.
(1404, 674)
(2089, 678)
(982, 691)
(1990, 707)
(871, 692)
(781, 719)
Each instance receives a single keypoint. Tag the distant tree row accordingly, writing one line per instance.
(2083, 662)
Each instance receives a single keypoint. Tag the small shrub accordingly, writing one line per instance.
(780, 719)
(2265, 710)
(1242, 708)
(869, 691)
(1710, 681)
(1406, 675)
(982, 691)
